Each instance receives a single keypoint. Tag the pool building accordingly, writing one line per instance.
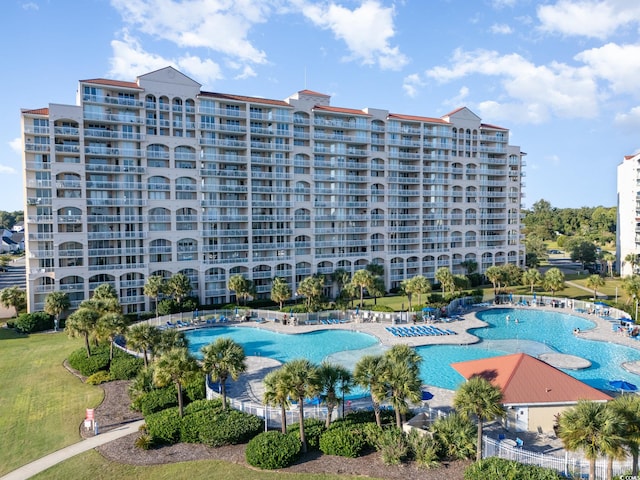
(157, 177)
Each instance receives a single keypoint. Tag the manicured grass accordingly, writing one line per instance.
(42, 404)
(94, 466)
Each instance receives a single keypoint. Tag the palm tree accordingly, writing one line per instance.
(331, 377)
(627, 407)
(155, 287)
(494, 274)
(144, 338)
(105, 291)
(54, 304)
(13, 297)
(588, 427)
(341, 277)
(631, 286)
(280, 291)
(595, 281)
(276, 393)
(224, 358)
(402, 378)
(179, 287)
(421, 286)
(170, 339)
(445, 278)
(377, 289)
(553, 280)
(632, 259)
(407, 287)
(368, 373)
(376, 269)
(478, 398)
(302, 383)
(176, 366)
(531, 277)
(109, 326)
(609, 258)
(363, 279)
(311, 288)
(241, 286)
(471, 266)
(82, 323)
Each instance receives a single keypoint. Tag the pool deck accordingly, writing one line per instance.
(249, 386)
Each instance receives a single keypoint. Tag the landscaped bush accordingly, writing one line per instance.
(495, 468)
(393, 446)
(230, 427)
(423, 449)
(343, 441)
(33, 322)
(98, 378)
(271, 450)
(195, 389)
(168, 306)
(212, 406)
(456, 436)
(125, 367)
(192, 424)
(156, 400)
(164, 426)
(381, 308)
(313, 430)
(99, 360)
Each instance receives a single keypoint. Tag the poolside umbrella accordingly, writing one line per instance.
(511, 297)
(426, 395)
(623, 385)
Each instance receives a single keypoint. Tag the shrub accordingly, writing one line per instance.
(144, 442)
(164, 426)
(125, 367)
(194, 389)
(372, 433)
(99, 360)
(495, 468)
(381, 308)
(191, 425)
(98, 378)
(168, 306)
(393, 446)
(423, 449)
(212, 406)
(456, 436)
(313, 430)
(156, 400)
(33, 322)
(343, 441)
(271, 450)
(230, 427)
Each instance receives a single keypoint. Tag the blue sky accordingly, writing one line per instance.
(561, 74)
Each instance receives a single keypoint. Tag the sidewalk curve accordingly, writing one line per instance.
(40, 465)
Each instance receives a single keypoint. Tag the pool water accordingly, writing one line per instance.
(536, 332)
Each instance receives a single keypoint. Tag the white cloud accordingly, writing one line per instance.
(247, 72)
(501, 29)
(555, 159)
(629, 121)
(503, 3)
(30, 6)
(411, 84)
(618, 64)
(219, 25)
(130, 59)
(366, 30)
(531, 93)
(589, 18)
(16, 145)
(8, 170)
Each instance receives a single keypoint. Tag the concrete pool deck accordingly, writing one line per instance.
(249, 386)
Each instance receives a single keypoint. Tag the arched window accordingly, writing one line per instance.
(160, 251)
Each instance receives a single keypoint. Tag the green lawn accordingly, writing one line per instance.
(42, 404)
(94, 466)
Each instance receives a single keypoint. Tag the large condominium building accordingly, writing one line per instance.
(628, 226)
(156, 177)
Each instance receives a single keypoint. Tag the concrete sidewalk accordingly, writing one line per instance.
(40, 465)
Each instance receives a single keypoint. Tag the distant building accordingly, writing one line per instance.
(156, 177)
(628, 225)
(533, 392)
(18, 227)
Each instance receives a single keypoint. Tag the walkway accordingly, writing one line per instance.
(40, 465)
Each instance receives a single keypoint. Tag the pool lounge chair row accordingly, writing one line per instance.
(331, 321)
(419, 331)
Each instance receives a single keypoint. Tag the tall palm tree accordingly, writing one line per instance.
(333, 379)
(494, 274)
(368, 373)
(224, 358)
(170, 339)
(155, 287)
(180, 287)
(531, 277)
(276, 392)
(553, 280)
(302, 383)
(55, 303)
(280, 291)
(478, 398)
(362, 279)
(609, 259)
(82, 323)
(402, 379)
(632, 259)
(109, 326)
(627, 407)
(407, 287)
(241, 286)
(143, 338)
(587, 427)
(595, 282)
(176, 366)
(13, 297)
(631, 286)
(445, 278)
(421, 286)
(311, 288)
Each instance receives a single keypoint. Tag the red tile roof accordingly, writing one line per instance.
(112, 83)
(418, 119)
(454, 112)
(493, 127)
(311, 92)
(349, 111)
(525, 380)
(37, 111)
(242, 98)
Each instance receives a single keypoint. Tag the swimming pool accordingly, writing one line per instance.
(536, 332)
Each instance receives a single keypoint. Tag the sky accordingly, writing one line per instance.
(562, 75)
